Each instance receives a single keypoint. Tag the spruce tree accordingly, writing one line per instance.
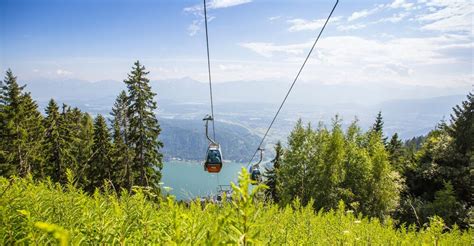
(271, 174)
(33, 126)
(81, 137)
(143, 129)
(396, 152)
(20, 130)
(54, 157)
(122, 155)
(12, 134)
(100, 166)
(377, 127)
(462, 126)
(378, 124)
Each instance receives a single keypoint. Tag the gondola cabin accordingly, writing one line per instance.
(255, 175)
(213, 161)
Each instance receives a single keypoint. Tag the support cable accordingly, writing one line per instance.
(294, 82)
(209, 72)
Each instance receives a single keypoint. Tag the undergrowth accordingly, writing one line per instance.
(46, 213)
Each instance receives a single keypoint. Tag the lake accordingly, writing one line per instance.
(189, 180)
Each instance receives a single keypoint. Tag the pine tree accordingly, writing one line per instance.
(122, 156)
(32, 121)
(20, 130)
(271, 174)
(12, 134)
(100, 166)
(143, 129)
(396, 152)
(462, 126)
(378, 125)
(55, 147)
(80, 133)
(462, 132)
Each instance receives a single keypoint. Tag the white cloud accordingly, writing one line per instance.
(194, 27)
(217, 4)
(270, 49)
(350, 27)
(401, 4)
(448, 16)
(345, 59)
(274, 18)
(198, 11)
(230, 67)
(308, 25)
(395, 18)
(62, 72)
(364, 13)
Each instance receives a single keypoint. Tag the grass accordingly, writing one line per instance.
(40, 212)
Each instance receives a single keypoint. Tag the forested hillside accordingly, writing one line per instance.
(185, 139)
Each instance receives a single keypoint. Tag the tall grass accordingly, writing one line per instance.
(46, 213)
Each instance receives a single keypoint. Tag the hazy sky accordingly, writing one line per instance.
(423, 42)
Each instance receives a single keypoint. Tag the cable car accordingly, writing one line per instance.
(213, 162)
(254, 170)
(213, 159)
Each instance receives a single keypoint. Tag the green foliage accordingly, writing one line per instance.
(20, 130)
(45, 213)
(143, 128)
(329, 165)
(438, 181)
(100, 167)
(271, 174)
(122, 153)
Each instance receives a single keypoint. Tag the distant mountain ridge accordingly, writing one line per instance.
(189, 90)
(409, 110)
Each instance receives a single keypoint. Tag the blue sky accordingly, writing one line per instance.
(416, 42)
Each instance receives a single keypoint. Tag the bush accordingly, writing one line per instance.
(46, 213)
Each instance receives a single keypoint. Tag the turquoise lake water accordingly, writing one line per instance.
(188, 180)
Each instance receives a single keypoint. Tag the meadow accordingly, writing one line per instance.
(42, 212)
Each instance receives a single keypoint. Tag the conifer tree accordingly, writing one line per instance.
(377, 127)
(32, 120)
(271, 174)
(67, 139)
(378, 124)
(80, 134)
(396, 152)
(143, 128)
(100, 166)
(20, 129)
(53, 144)
(122, 155)
(462, 126)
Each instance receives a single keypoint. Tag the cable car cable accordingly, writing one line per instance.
(210, 80)
(294, 82)
(209, 71)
